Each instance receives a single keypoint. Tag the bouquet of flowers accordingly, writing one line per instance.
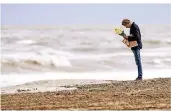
(120, 31)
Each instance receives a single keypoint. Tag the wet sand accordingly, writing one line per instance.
(146, 94)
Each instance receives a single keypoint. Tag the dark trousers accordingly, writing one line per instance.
(137, 57)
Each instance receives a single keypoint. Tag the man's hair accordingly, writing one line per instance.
(125, 21)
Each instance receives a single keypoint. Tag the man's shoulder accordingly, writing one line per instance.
(134, 25)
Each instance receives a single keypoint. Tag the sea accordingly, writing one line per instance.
(48, 52)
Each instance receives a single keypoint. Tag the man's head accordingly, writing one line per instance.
(126, 23)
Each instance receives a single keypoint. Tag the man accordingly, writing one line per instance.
(135, 35)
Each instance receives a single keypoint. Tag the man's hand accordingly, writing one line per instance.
(126, 42)
(126, 37)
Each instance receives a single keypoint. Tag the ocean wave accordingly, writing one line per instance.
(36, 59)
(119, 54)
(157, 61)
(26, 42)
(153, 42)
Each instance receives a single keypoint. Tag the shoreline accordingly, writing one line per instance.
(49, 85)
(130, 95)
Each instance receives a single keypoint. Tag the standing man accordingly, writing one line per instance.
(135, 35)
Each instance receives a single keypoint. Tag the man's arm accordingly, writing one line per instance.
(135, 34)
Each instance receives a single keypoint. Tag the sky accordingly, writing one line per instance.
(63, 14)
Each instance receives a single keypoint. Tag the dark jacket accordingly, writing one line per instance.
(135, 34)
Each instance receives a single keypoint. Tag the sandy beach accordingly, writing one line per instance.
(89, 94)
(69, 57)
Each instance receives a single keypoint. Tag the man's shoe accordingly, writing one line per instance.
(138, 78)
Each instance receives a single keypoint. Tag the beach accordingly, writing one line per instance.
(83, 67)
(69, 57)
(88, 94)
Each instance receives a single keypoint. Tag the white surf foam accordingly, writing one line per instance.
(16, 79)
(99, 56)
(34, 58)
(25, 42)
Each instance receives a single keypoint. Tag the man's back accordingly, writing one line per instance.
(135, 31)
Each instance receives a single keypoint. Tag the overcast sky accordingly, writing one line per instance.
(34, 14)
